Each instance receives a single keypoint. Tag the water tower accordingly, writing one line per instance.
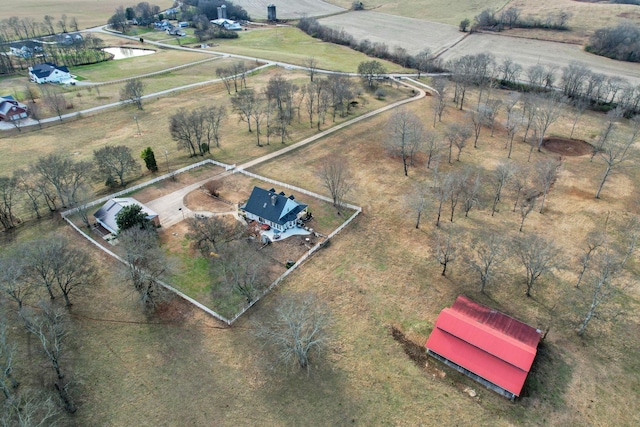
(271, 12)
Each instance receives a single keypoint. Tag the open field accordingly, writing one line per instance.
(416, 34)
(586, 17)
(182, 368)
(288, 44)
(289, 9)
(117, 127)
(88, 13)
(530, 52)
(444, 11)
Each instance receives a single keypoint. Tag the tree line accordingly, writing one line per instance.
(423, 61)
(512, 18)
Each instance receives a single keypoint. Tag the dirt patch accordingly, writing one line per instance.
(415, 352)
(198, 200)
(567, 147)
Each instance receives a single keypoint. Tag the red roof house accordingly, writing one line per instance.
(492, 348)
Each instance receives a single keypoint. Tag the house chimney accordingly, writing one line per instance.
(223, 10)
(274, 198)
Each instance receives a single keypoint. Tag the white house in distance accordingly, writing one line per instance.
(273, 209)
(106, 215)
(48, 73)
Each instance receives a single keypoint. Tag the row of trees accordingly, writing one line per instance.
(143, 13)
(424, 61)
(57, 181)
(35, 275)
(512, 18)
(15, 28)
(601, 276)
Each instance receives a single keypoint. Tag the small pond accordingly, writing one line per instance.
(127, 52)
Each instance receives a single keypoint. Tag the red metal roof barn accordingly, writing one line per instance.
(494, 349)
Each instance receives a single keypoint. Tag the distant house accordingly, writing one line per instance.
(492, 348)
(273, 209)
(106, 215)
(69, 38)
(227, 24)
(176, 31)
(48, 73)
(25, 48)
(10, 109)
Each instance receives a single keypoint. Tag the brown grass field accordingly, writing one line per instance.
(379, 275)
(89, 13)
(184, 368)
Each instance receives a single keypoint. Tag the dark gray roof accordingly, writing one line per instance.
(272, 206)
(45, 69)
(108, 212)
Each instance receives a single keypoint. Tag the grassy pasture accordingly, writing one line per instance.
(184, 368)
(88, 13)
(288, 44)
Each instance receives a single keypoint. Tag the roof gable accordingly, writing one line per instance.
(108, 212)
(272, 206)
(490, 344)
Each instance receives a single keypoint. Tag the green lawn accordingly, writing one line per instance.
(293, 46)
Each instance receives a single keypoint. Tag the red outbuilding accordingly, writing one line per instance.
(492, 348)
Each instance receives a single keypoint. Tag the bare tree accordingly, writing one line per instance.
(243, 104)
(310, 93)
(477, 121)
(439, 99)
(210, 233)
(336, 178)
(13, 279)
(417, 201)
(519, 181)
(609, 263)
(527, 204)
(187, 128)
(64, 174)
(311, 63)
(432, 147)
(446, 249)
(7, 352)
(615, 154)
(580, 105)
(595, 240)
(146, 263)
(297, 332)
(54, 100)
(405, 136)
(546, 173)
(547, 113)
(9, 191)
(612, 117)
(458, 135)
(489, 113)
(538, 256)
(456, 180)
(115, 162)
(470, 191)
(213, 117)
(501, 176)
(242, 270)
(133, 91)
(50, 327)
(488, 251)
(441, 190)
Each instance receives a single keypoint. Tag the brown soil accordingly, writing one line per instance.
(567, 147)
(198, 200)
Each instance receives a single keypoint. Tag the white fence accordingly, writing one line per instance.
(275, 283)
